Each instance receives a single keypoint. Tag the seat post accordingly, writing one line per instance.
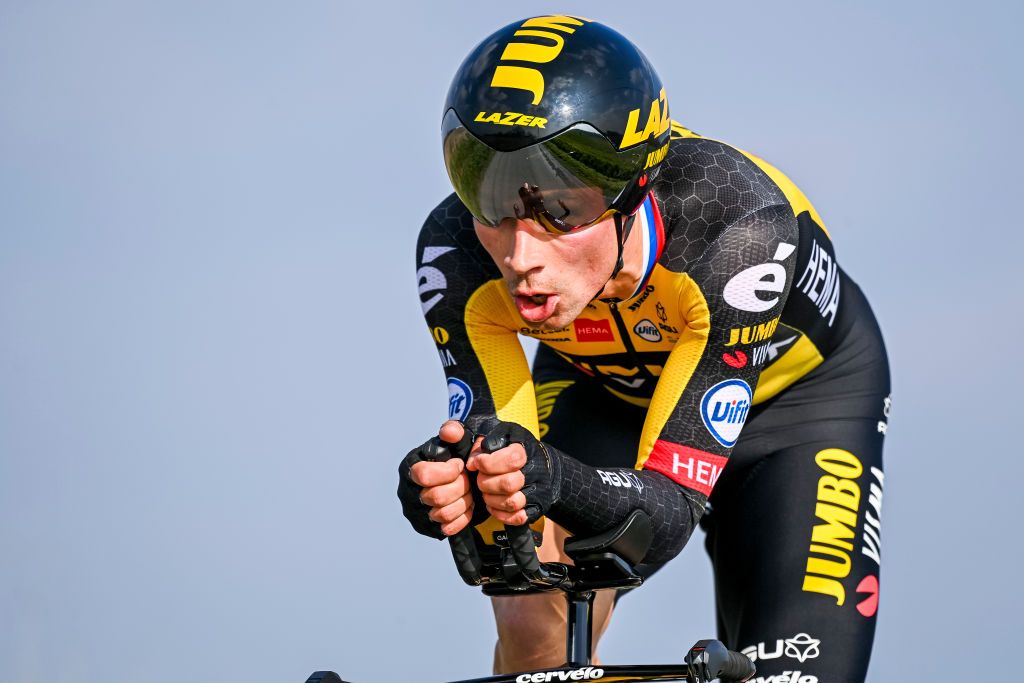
(579, 634)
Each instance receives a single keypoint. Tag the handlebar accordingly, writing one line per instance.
(710, 659)
(463, 545)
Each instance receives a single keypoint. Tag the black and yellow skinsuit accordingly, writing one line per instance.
(745, 318)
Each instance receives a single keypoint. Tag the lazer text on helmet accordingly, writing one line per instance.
(658, 122)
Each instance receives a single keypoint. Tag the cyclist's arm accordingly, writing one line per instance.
(680, 456)
(472, 324)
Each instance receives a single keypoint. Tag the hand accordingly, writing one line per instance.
(517, 474)
(436, 496)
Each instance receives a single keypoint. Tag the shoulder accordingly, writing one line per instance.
(450, 261)
(712, 181)
(449, 223)
(706, 186)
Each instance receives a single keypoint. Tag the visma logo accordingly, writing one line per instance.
(460, 399)
(588, 673)
(724, 409)
(430, 278)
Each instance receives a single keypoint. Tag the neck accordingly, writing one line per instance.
(628, 279)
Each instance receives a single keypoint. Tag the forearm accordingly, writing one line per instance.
(592, 500)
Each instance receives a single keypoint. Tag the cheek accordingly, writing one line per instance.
(493, 243)
(590, 260)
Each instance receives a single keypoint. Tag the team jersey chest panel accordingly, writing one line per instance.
(626, 345)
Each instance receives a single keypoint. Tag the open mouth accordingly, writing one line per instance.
(536, 308)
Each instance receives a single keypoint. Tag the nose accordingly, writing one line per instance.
(526, 252)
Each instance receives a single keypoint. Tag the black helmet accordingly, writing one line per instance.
(559, 110)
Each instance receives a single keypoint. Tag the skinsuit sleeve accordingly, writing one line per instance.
(474, 328)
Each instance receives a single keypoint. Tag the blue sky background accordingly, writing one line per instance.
(212, 356)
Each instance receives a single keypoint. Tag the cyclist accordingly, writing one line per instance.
(682, 290)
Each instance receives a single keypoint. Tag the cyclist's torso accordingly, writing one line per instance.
(741, 298)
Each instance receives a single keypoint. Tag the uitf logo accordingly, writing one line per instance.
(724, 409)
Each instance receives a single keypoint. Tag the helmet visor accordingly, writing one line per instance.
(564, 182)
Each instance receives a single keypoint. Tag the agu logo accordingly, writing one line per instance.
(460, 399)
(724, 409)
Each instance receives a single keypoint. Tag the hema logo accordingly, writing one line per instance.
(586, 674)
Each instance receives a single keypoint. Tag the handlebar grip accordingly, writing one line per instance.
(467, 559)
(521, 545)
(737, 667)
(524, 551)
(710, 659)
(463, 545)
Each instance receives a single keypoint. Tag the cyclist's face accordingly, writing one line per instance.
(551, 277)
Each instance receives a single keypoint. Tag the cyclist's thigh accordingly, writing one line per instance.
(794, 538)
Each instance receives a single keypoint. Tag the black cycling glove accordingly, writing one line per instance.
(415, 510)
(542, 470)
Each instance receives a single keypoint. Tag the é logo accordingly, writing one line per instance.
(526, 77)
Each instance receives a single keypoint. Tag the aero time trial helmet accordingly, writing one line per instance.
(555, 118)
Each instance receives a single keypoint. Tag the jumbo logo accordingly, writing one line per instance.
(656, 157)
(657, 123)
(527, 77)
(828, 560)
(752, 333)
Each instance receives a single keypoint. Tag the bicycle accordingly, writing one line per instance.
(602, 562)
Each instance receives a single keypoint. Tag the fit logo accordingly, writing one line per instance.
(527, 77)
(832, 542)
(658, 122)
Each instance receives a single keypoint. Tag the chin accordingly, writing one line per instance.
(562, 317)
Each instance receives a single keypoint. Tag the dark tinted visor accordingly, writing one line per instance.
(566, 181)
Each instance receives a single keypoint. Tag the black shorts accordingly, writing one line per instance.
(793, 522)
